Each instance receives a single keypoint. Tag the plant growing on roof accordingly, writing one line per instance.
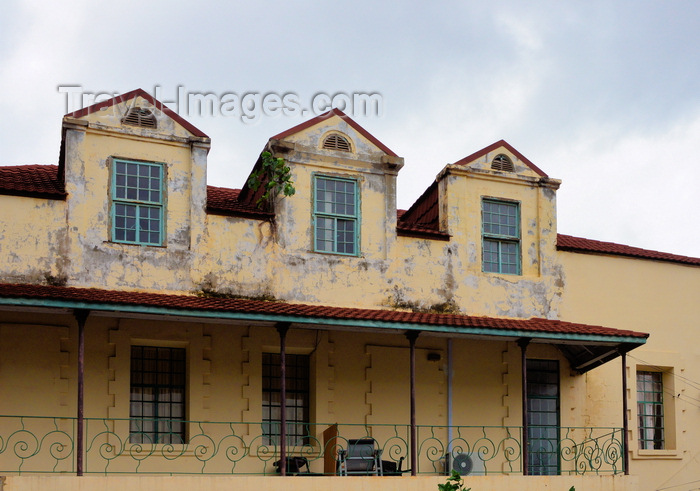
(275, 176)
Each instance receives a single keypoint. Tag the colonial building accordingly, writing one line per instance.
(153, 325)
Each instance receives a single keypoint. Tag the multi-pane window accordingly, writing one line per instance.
(543, 417)
(501, 236)
(650, 410)
(336, 215)
(137, 202)
(157, 409)
(297, 389)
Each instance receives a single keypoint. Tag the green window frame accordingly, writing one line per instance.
(336, 215)
(500, 229)
(137, 202)
(650, 410)
(157, 401)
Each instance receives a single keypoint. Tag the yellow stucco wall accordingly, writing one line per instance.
(258, 258)
(32, 239)
(357, 379)
(661, 299)
(249, 258)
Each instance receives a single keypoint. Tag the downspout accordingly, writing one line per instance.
(282, 329)
(81, 316)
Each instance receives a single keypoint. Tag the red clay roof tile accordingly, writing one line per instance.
(39, 181)
(578, 244)
(238, 305)
(422, 219)
(224, 201)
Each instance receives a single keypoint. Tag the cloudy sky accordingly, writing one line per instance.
(603, 95)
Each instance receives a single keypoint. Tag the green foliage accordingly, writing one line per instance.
(454, 483)
(276, 177)
(572, 488)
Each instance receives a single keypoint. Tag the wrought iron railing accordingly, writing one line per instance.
(591, 450)
(48, 445)
(37, 444)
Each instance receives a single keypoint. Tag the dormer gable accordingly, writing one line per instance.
(134, 173)
(136, 112)
(333, 141)
(499, 204)
(334, 124)
(345, 189)
(501, 157)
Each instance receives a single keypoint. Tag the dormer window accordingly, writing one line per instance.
(137, 202)
(500, 236)
(336, 215)
(138, 116)
(503, 163)
(336, 142)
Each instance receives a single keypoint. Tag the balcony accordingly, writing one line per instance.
(48, 445)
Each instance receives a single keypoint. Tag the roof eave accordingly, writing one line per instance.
(317, 321)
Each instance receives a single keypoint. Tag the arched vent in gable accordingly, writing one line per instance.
(336, 142)
(502, 163)
(138, 116)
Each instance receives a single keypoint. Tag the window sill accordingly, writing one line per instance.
(135, 244)
(339, 254)
(673, 454)
(507, 276)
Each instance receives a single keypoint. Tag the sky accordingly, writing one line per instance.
(604, 95)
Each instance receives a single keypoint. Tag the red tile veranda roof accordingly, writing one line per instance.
(88, 296)
(579, 244)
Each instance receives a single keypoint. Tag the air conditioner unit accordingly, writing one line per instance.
(468, 465)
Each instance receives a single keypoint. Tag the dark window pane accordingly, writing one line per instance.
(297, 376)
(157, 394)
(650, 409)
(543, 416)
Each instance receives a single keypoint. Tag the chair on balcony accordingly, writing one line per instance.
(295, 466)
(393, 468)
(361, 458)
